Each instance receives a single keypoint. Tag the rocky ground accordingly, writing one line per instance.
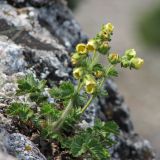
(36, 37)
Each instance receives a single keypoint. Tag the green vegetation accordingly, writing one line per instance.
(149, 27)
(58, 121)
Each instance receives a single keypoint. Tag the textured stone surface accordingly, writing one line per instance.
(30, 42)
(130, 146)
(62, 24)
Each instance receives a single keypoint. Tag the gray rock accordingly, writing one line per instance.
(19, 146)
(130, 146)
(62, 24)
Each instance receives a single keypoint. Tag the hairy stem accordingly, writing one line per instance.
(57, 125)
(87, 104)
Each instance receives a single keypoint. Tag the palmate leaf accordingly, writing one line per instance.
(77, 144)
(64, 91)
(108, 127)
(49, 110)
(93, 141)
(29, 84)
(38, 97)
(21, 111)
(85, 143)
(97, 150)
(105, 131)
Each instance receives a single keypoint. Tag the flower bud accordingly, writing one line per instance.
(113, 58)
(75, 58)
(43, 123)
(125, 63)
(77, 73)
(99, 74)
(109, 27)
(90, 85)
(81, 48)
(104, 47)
(131, 53)
(91, 45)
(137, 62)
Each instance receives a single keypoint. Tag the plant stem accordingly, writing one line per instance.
(57, 125)
(80, 85)
(87, 104)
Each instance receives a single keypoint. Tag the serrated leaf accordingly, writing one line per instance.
(30, 84)
(111, 72)
(64, 91)
(97, 150)
(71, 119)
(49, 110)
(38, 97)
(20, 110)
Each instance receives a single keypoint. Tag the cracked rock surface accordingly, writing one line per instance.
(36, 37)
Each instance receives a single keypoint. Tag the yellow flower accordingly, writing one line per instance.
(137, 62)
(81, 48)
(131, 53)
(90, 86)
(98, 74)
(91, 45)
(77, 73)
(113, 58)
(28, 148)
(104, 34)
(109, 27)
(75, 58)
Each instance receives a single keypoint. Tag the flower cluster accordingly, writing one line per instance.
(131, 60)
(88, 71)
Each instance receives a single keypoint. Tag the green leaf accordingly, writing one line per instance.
(49, 110)
(93, 141)
(71, 119)
(79, 99)
(20, 110)
(30, 84)
(65, 90)
(97, 150)
(77, 144)
(98, 67)
(111, 72)
(38, 97)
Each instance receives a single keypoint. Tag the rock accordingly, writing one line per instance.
(114, 108)
(19, 146)
(130, 146)
(62, 24)
(30, 46)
